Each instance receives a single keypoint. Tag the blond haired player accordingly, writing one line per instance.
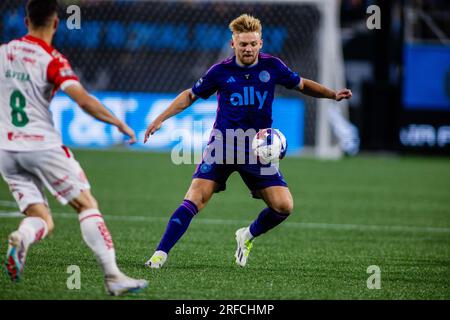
(245, 86)
(31, 152)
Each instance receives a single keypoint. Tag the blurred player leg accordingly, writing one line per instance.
(196, 198)
(97, 237)
(28, 192)
(68, 183)
(33, 228)
(280, 205)
(57, 169)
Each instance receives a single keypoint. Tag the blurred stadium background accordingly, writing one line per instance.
(135, 56)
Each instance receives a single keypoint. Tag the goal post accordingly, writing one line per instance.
(334, 133)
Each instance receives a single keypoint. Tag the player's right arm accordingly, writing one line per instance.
(92, 106)
(61, 75)
(204, 88)
(181, 102)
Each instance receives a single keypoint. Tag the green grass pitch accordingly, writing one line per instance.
(392, 212)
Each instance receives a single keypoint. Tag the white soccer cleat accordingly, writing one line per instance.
(15, 256)
(121, 284)
(244, 245)
(157, 260)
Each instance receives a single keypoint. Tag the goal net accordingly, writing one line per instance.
(165, 46)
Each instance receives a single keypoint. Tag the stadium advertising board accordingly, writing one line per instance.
(425, 120)
(190, 128)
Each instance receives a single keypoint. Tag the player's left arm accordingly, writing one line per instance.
(316, 90)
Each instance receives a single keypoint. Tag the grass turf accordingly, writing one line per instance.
(386, 211)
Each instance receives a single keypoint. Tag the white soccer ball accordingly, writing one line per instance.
(269, 144)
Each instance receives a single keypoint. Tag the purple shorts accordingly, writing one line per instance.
(255, 176)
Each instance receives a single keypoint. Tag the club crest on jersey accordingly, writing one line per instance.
(205, 168)
(249, 97)
(264, 76)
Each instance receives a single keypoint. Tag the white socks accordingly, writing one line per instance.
(33, 229)
(248, 235)
(97, 237)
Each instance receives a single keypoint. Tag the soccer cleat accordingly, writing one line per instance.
(157, 260)
(244, 245)
(15, 256)
(121, 284)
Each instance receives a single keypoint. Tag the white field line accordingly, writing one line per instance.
(8, 204)
(299, 225)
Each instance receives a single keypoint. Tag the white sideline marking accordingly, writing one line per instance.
(8, 204)
(4, 214)
(300, 225)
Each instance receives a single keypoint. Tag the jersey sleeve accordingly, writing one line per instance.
(285, 76)
(60, 73)
(207, 84)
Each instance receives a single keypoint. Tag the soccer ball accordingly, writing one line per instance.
(269, 144)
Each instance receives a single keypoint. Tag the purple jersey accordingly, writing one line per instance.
(245, 94)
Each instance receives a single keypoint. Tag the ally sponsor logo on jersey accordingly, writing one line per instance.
(248, 98)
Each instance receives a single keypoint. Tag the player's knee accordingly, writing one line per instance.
(83, 202)
(200, 192)
(50, 224)
(41, 210)
(92, 204)
(197, 199)
(284, 207)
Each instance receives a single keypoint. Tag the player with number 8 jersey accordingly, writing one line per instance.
(32, 155)
(31, 72)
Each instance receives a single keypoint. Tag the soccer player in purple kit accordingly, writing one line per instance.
(245, 85)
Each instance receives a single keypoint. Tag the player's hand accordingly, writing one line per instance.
(343, 94)
(151, 129)
(127, 131)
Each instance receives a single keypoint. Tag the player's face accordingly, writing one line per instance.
(246, 47)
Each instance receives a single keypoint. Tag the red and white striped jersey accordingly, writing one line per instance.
(31, 72)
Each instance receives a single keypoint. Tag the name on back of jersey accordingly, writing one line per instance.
(21, 76)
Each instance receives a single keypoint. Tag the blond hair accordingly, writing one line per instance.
(245, 23)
